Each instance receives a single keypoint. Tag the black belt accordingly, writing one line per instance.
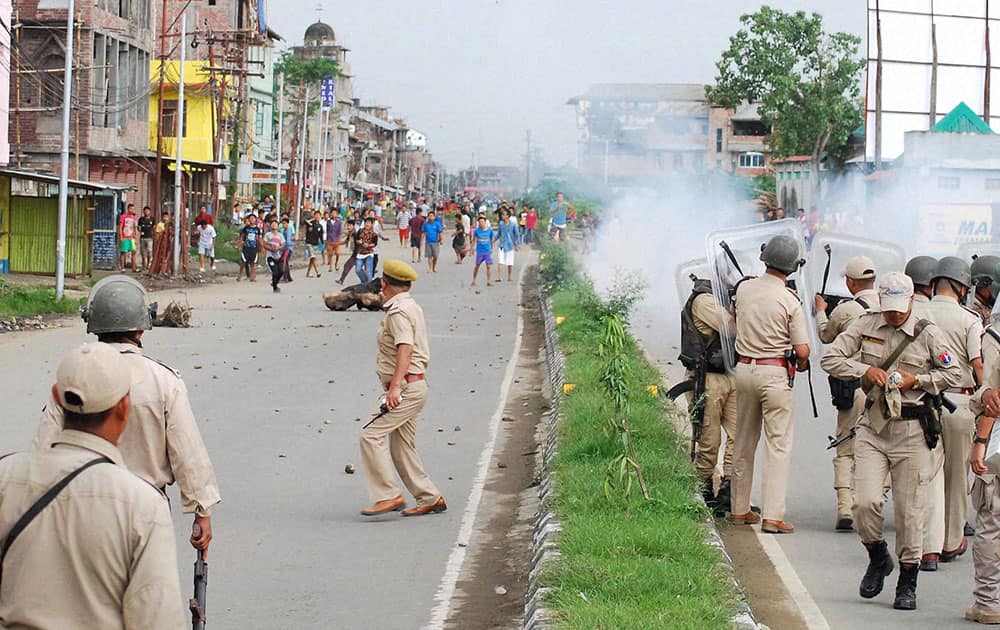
(911, 412)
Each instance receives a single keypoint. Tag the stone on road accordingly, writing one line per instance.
(280, 396)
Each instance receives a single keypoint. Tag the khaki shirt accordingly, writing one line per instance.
(991, 372)
(875, 340)
(769, 318)
(708, 315)
(982, 310)
(403, 323)
(845, 313)
(921, 299)
(962, 331)
(161, 442)
(101, 555)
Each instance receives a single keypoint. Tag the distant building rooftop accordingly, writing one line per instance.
(961, 120)
(648, 92)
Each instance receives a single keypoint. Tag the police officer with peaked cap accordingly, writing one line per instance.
(920, 269)
(901, 359)
(849, 400)
(403, 353)
(946, 504)
(769, 321)
(985, 272)
(162, 443)
(100, 553)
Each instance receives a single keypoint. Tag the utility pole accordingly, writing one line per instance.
(281, 127)
(319, 148)
(302, 156)
(64, 153)
(323, 151)
(179, 161)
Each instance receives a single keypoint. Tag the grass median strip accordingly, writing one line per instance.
(625, 562)
(29, 301)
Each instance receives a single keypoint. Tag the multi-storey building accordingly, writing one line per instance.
(642, 134)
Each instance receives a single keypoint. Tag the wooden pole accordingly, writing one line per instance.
(878, 88)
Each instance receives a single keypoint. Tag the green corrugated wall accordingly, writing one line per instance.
(33, 229)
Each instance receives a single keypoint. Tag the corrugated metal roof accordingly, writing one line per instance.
(650, 92)
(375, 120)
(54, 179)
(961, 120)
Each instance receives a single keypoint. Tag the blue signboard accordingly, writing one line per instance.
(327, 93)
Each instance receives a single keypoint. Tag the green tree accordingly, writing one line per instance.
(305, 71)
(807, 82)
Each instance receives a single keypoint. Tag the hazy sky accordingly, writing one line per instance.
(474, 75)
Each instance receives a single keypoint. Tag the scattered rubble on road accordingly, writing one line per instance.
(14, 324)
(175, 315)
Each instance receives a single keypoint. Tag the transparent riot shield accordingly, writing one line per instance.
(828, 258)
(734, 254)
(699, 268)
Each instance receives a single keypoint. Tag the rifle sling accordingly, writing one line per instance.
(917, 329)
(40, 505)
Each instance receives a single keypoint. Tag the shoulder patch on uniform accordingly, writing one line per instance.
(945, 358)
(162, 364)
(971, 311)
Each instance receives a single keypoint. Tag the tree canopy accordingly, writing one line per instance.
(307, 71)
(806, 81)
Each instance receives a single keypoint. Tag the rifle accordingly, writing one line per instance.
(847, 437)
(832, 301)
(791, 359)
(696, 411)
(732, 257)
(197, 603)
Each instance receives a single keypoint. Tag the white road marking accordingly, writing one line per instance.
(810, 612)
(446, 588)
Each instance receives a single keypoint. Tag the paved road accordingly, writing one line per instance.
(828, 564)
(277, 392)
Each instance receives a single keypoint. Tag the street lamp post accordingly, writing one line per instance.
(64, 153)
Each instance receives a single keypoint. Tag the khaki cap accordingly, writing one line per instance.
(860, 268)
(895, 291)
(95, 375)
(399, 270)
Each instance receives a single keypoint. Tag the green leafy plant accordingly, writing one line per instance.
(556, 265)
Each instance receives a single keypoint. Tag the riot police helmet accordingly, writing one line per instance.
(782, 253)
(985, 271)
(955, 269)
(921, 270)
(118, 304)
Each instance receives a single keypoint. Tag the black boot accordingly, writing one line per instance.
(723, 500)
(879, 565)
(906, 587)
(707, 494)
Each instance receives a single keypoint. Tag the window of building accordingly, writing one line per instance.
(678, 161)
(948, 183)
(52, 83)
(119, 81)
(992, 183)
(718, 140)
(258, 124)
(751, 160)
(658, 160)
(749, 128)
(170, 119)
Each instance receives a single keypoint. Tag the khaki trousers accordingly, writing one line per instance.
(900, 452)
(947, 506)
(843, 458)
(399, 426)
(720, 414)
(764, 400)
(986, 542)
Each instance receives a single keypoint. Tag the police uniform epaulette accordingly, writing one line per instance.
(971, 310)
(161, 363)
(794, 292)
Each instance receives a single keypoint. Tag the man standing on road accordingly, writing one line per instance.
(849, 400)
(769, 322)
(432, 228)
(146, 225)
(416, 234)
(162, 443)
(946, 504)
(250, 238)
(701, 344)
(920, 269)
(126, 237)
(401, 361)
(103, 555)
(314, 238)
(904, 364)
(985, 404)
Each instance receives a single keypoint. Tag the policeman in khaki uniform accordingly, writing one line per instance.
(161, 443)
(701, 321)
(986, 279)
(859, 274)
(769, 321)
(946, 505)
(402, 358)
(100, 552)
(920, 269)
(890, 437)
(985, 404)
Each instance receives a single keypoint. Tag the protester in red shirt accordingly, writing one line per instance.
(530, 222)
